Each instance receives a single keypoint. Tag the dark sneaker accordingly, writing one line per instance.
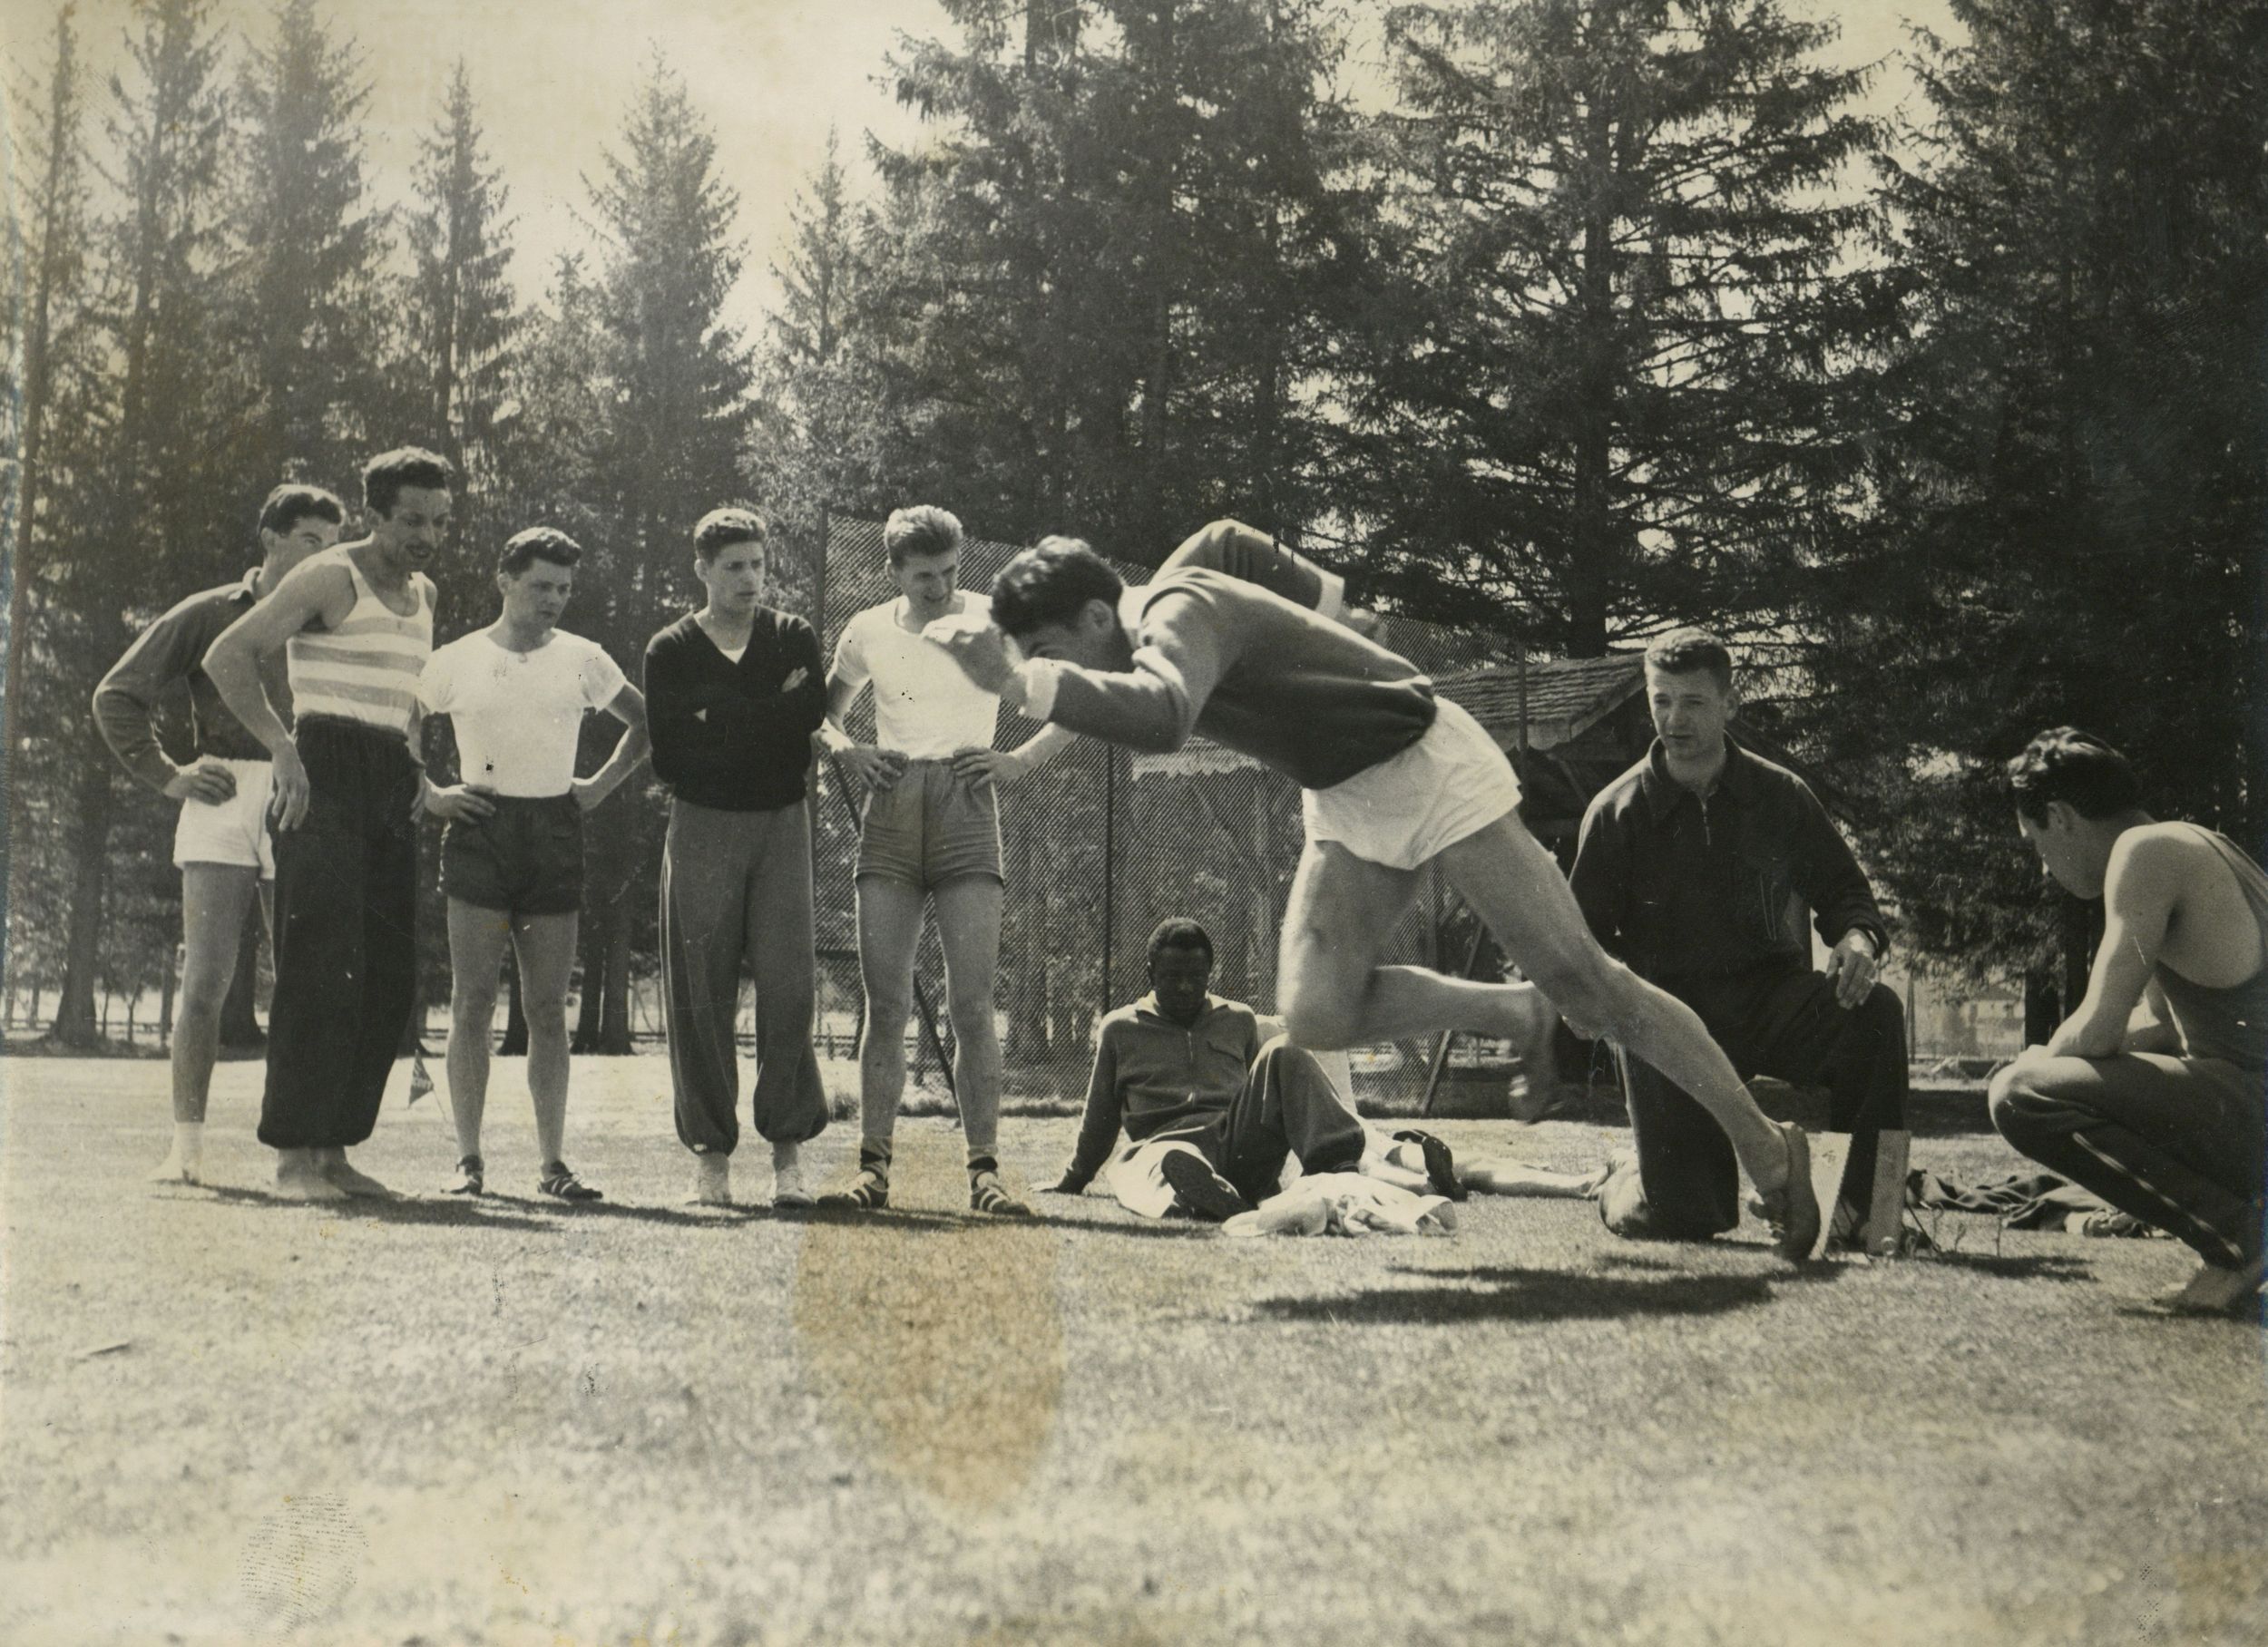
(868, 1192)
(1201, 1189)
(987, 1193)
(1440, 1167)
(559, 1180)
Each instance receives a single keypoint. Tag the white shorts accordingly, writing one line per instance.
(235, 831)
(1452, 783)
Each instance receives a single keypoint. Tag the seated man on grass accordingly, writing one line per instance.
(1211, 1113)
(2151, 1093)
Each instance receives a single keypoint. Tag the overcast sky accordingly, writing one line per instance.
(552, 78)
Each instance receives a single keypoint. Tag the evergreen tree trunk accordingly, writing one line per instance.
(61, 147)
(1591, 553)
(76, 1023)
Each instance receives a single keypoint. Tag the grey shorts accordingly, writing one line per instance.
(930, 826)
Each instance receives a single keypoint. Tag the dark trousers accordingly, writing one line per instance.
(736, 894)
(346, 937)
(1780, 1021)
(2176, 1142)
(1287, 1106)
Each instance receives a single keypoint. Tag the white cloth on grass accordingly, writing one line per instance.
(1346, 1204)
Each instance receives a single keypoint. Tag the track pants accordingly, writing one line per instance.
(346, 937)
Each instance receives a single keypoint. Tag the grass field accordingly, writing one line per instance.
(223, 1417)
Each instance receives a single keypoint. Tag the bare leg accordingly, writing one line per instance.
(546, 947)
(477, 937)
(889, 926)
(968, 924)
(214, 897)
(1336, 995)
(1517, 889)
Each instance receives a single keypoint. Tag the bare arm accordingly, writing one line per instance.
(2138, 894)
(312, 594)
(629, 706)
(875, 768)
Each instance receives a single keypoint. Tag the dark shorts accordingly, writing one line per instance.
(931, 826)
(527, 859)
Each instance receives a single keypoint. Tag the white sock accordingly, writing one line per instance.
(188, 1144)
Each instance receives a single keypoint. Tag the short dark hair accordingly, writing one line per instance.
(2064, 763)
(1178, 932)
(922, 530)
(1682, 652)
(290, 505)
(1050, 583)
(384, 476)
(720, 529)
(537, 543)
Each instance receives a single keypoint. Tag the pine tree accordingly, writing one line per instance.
(151, 483)
(463, 314)
(308, 252)
(1108, 283)
(1602, 386)
(46, 321)
(2074, 488)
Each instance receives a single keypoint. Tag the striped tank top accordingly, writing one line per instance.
(367, 668)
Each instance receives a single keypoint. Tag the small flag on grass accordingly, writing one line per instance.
(420, 1081)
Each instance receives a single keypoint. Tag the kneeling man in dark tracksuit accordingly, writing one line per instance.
(1686, 868)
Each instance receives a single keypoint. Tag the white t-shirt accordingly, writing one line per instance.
(925, 707)
(518, 714)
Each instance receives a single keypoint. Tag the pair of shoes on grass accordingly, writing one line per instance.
(559, 1180)
(712, 1179)
(869, 1192)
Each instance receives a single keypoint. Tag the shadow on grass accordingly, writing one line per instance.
(1502, 1294)
(461, 1215)
(2009, 1267)
(715, 1217)
(904, 1219)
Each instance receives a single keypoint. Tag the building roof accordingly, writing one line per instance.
(1566, 696)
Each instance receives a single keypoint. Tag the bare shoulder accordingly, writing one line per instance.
(2164, 860)
(321, 584)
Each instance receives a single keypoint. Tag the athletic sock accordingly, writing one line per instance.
(981, 1161)
(874, 1156)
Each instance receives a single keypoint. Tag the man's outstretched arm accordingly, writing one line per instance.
(1151, 705)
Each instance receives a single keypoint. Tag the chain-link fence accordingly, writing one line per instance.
(1100, 846)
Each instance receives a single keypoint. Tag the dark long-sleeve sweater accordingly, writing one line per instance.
(734, 735)
(1676, 886)
(173, 648)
